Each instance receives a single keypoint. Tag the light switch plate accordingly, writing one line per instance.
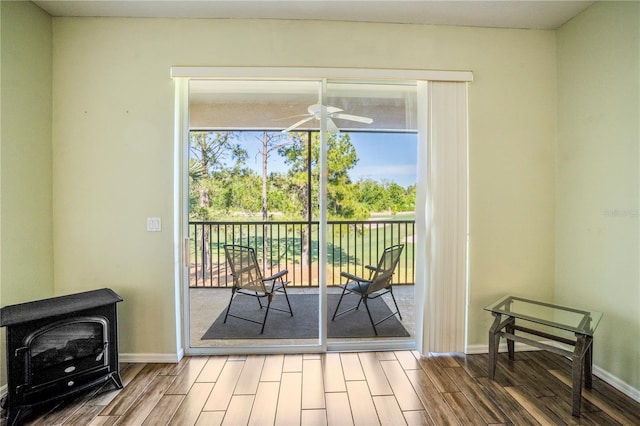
(154, 224)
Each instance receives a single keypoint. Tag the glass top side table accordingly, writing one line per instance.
(581, 322)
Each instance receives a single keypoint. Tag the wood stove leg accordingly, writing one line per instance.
(14, 417)
(116, 379)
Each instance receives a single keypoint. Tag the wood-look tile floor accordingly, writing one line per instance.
(366, 388)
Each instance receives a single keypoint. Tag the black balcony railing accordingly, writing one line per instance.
(294, 246)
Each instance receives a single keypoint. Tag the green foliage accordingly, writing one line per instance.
(222, 186)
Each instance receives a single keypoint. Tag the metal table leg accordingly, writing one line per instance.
(494, 342)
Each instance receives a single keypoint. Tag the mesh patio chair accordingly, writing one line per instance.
(248, 281)
(377, 285)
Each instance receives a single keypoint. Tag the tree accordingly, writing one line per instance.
(341, 158)
(210, 153)
(270, 142)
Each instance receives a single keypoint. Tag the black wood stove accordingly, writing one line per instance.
(58, 347)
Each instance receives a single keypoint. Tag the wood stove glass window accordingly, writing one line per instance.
(72, 346)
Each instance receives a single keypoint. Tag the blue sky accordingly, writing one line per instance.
(386, 156)
(382, 156)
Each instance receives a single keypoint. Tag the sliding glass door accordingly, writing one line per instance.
(254, 187)
(316, 178)
(371, 187)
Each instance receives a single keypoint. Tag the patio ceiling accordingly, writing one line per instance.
(225, 104)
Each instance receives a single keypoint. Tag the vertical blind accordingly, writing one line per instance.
(441, 217)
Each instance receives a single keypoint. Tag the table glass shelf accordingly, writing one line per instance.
(561, 317)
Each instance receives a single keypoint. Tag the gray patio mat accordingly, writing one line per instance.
(303, 323)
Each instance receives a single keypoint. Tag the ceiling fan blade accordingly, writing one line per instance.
(331, 127)
(299, 123)
(290, 117)
(351, 117)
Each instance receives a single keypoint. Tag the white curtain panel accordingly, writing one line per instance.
(441, 217)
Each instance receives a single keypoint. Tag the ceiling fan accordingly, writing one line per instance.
(332, 112)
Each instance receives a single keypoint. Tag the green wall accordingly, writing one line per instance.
(113, 146)
(26, 221)
(597, 232)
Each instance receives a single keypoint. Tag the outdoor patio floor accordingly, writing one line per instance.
(207, 303)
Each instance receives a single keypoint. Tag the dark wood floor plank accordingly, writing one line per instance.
(140, 409)
(362, 408)
(623, 415)
(476, 365)
(83, 416)
(164, 410)
(374, 374)
(433, 402)
(108, 392)
(508, 405)
(128, 396)
(438, 376)
(551, 361)
(443, 360)
(476, 395)
(57, 413)
(104, 421)
(463, 409)
(289, 407)
(173, 369)
(560, 390)
(624, 410)
(533, 407)
(533, 377)
(562, 410)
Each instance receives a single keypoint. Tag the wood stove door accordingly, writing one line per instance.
(66, 349)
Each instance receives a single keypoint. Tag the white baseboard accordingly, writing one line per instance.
(604, 375)
(614, 381)
(152, 358)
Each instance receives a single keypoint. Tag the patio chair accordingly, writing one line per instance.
(377, 285)
(248, 281)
